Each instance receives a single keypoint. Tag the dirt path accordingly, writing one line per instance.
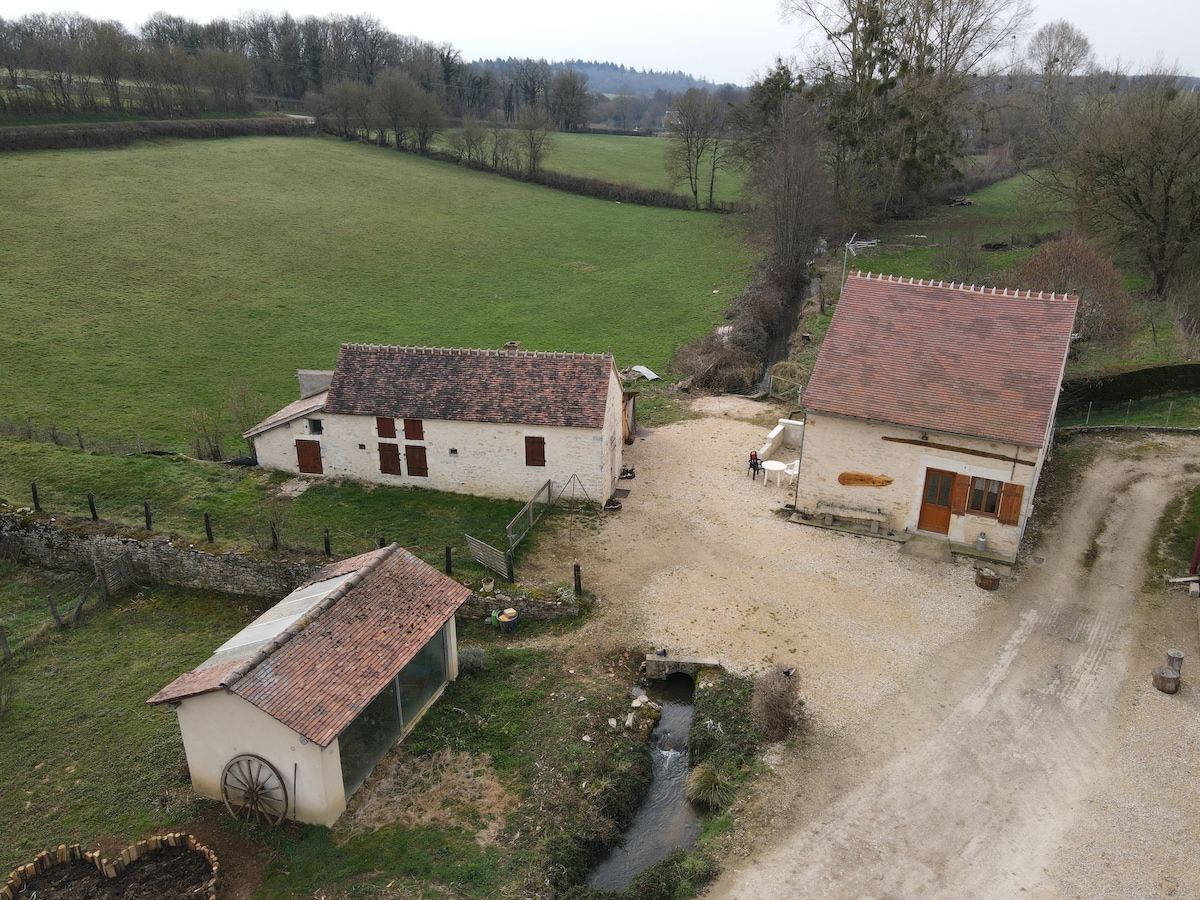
(961, 744)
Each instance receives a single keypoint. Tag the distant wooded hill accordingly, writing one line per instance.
(610, 78)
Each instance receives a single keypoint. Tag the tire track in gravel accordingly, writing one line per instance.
(977, 801)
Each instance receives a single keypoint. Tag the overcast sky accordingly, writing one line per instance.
(722, 40)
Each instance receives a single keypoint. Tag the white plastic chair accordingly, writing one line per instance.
(791, 470)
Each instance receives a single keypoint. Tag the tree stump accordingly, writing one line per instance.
(1175, 660)
(987, 579)
(1165, 679)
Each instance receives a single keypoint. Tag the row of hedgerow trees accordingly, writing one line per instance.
(67, 63)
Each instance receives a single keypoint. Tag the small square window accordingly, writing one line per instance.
(316, 426)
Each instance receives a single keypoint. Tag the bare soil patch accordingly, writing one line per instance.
(173, 873)
(455, 790)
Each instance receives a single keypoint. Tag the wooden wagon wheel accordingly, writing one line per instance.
(252, 789)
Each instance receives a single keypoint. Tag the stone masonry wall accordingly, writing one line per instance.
(50, 546)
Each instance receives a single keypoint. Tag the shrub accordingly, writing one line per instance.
(711, 785)
(471, 660)
(676, 876)
(773, 709)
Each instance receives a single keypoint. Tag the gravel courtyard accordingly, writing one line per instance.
(959, 743)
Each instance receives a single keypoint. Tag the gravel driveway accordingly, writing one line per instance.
(959, 743)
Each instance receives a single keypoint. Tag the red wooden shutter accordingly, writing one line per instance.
(389, 459)
(414, 430)
(535, 451)
(414, 459)
(1010, 504)
(308, 457)
(385, 427)
(958, 494)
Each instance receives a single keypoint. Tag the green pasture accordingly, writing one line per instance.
(623, 159)
(82, 755)
(140, 283)
(242, 504)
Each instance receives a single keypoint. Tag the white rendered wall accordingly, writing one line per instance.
(833, 445)
(218, 726)
(487, 459)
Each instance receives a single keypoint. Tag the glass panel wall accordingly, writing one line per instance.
(423, 677)
(368, 737)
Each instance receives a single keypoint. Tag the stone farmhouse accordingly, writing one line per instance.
(494, 423)
(287, 718)
(931, 408)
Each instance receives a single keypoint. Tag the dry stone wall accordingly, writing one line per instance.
(67, 545)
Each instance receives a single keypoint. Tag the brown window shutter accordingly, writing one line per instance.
(535, 451)
(414, 430)
(385, 427)
(414, 459)
(308, 457)
(958, 494)
(389, 459)
(1010, 504)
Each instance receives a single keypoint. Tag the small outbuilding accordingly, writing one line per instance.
(931, 408)
(495, 423)
(288, 717)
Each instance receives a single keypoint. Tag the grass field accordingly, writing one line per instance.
(243, 502)
(139, 283)
(627, 160)
(82, 756)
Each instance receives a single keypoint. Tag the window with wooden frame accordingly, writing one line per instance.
(385, 427)
(389, 459)
(987, 497)
(415, 461)
(535, 451)
(414, 430)
(983, 498)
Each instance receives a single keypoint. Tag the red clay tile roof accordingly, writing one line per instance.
(321, 672)
(294, 410)
(500, 386)
(943, 357)
(198, 681)
(340, 568)
(337, 663)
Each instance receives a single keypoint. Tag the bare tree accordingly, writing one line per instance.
(1058, 52)
(568, 99)
(534, 131)
(395, 100)
(786, 179)
(107, 54)
(894, 76)
(1130, 165)
(693, 126)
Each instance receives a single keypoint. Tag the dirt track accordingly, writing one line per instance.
(960, 744)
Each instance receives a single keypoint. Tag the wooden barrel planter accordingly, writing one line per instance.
(987, 579)
(33, 877)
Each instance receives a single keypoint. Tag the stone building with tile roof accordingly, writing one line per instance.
(496, 423)
(931, 408)
(315, 690)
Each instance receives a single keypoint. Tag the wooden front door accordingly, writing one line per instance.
(308, 457)
(935, 502)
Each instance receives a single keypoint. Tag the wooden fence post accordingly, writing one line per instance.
(381, 544)
(449, 570)
(328, 551)
(274, 537)
(54, 611)
(208, 527)
(508, 559)
(578, 582)
(92, 506)
(79, 437)
(149, 521)
(37, 504)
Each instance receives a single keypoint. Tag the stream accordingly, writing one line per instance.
(666, 819)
